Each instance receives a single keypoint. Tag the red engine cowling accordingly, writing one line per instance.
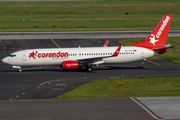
(70, 65)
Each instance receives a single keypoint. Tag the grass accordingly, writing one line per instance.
(142, 87)
(172, 54)
(100, 15)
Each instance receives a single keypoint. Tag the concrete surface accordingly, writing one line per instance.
(80, 35)
(164, 107)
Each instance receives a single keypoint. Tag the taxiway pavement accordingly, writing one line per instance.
(73, 109)
(48, 82)
(80, 35)
(33, 90)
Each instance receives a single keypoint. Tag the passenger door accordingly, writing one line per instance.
(24, 57)
(142, 53)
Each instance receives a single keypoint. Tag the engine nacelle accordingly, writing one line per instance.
(70, 65)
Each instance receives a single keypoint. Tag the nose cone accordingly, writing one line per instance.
(5, 60)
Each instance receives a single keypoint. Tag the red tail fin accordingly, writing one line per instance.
(158, 37)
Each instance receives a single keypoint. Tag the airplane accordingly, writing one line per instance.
(75, 58)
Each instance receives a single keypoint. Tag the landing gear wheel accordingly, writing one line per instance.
(88, 68)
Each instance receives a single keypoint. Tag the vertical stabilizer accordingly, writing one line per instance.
(158, 37)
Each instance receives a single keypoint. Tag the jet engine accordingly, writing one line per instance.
(70, 65)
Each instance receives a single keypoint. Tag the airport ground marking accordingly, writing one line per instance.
(152, 62)
(150, 113)
(55, 43)
(61, 84)
(52, 81)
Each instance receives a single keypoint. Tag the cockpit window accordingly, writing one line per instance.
(12, 55)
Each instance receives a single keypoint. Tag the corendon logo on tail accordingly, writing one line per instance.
(48, 55)
(161, 29)
(153, 40)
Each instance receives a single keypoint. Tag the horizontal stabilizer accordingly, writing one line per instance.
(163, 48)
(167, 45)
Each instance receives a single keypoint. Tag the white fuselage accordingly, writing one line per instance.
(55, 56)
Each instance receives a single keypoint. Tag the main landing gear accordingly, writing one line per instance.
(88, 68)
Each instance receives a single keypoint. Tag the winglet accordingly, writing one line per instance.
(117, 51)
(106, 44)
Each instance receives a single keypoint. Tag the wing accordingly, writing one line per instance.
(98, 60)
